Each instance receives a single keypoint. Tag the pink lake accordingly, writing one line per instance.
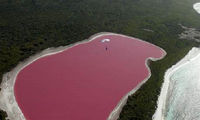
(84, 82)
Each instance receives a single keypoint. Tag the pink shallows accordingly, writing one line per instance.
(84, 82)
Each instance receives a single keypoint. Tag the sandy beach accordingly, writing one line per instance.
(196, 7)
(7, 97)
(159, 114)
(192, 54)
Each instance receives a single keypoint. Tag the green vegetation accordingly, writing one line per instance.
(3, 115)
(29, 26)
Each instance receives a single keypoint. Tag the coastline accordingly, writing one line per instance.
(161, 103)
(7, 97)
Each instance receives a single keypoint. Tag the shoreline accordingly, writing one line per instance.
(117, 110)
(7, 96)
(161, 103)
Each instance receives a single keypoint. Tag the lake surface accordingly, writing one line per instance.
(183, 98)
(84, 82)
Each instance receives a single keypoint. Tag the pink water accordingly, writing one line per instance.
(85, 82)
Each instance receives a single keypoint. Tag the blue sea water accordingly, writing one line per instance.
(183, 98)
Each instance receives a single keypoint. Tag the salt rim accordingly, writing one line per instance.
(7, 97)
(161, 103)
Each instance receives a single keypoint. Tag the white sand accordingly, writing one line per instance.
(159, 114)
(7, 97)
(196, 7)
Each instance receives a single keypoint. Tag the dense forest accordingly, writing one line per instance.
(29, 26)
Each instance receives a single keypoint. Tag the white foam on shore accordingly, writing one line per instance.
(192, 55)
(196, 7)
(7, 98)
